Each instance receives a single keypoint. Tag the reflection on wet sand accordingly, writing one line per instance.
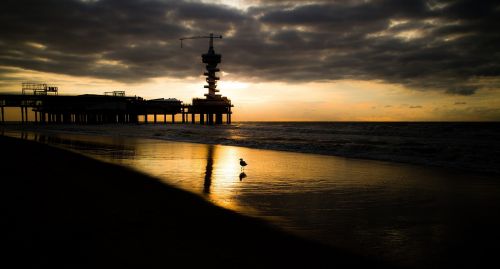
(208, 169)
(407, 214)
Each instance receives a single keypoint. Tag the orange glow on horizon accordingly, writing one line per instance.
(343, 100)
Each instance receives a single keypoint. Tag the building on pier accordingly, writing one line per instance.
(213, 107)
(38, 88)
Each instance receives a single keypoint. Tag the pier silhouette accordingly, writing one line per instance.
(48, 106)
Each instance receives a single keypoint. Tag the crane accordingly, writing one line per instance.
(211, 36)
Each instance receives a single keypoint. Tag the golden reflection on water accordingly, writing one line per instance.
(214, 171)
(398, 211)
(225, 177)
(210, 170)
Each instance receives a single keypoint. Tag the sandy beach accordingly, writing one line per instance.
(64, 209)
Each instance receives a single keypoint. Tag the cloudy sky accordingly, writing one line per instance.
(282, 60)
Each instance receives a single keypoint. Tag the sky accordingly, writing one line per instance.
(359, 60)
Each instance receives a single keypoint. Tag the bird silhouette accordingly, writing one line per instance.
(243, 164)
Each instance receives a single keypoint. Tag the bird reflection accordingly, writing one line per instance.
(208, 169)
(242, 176)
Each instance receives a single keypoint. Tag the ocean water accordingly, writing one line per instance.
(413, 215)
(473, 146)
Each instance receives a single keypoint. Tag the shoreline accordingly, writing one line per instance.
(466, 217)
(68, 209)
(186, 133)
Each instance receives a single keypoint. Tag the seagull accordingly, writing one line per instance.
(243, 164)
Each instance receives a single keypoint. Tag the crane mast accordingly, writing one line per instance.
(211, 59)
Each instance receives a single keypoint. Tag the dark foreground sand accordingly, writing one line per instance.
(64, 209)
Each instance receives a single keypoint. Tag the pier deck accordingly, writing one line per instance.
(96, 109)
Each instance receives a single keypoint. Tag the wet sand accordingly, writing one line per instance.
(64, 209)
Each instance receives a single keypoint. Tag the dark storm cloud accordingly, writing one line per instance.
(119, 40)
(446, 45)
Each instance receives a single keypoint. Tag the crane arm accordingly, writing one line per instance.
(211, 36)
(194, 37)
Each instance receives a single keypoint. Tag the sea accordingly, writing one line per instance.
(473, 146)
(414, 194)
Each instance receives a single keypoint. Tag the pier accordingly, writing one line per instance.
(99, 109)
(49, 107)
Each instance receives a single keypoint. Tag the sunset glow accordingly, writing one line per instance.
(277, 63)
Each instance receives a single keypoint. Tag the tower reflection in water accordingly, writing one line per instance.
(208, 169)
